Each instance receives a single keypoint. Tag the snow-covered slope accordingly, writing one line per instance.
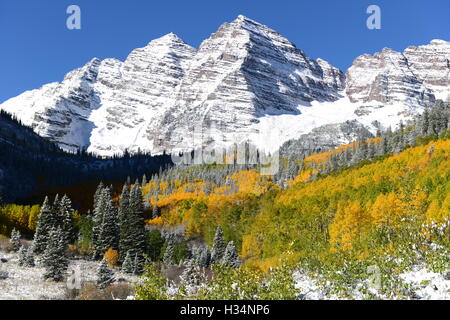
(245, 82)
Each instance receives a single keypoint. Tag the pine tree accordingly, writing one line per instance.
(139, 262)
(205, 258)
(191, 276)
(43, 228)
(15, 240)
(109, 232)
(231, 258)
(126, 235)
(169, 253)
(55, 256)
(137, 220)
(57, 219)
(22, 256)
(97, 220)
(29, 261)
(128, 264)
(144, 180)
(105, 276)
(68, 220)
(219, 246)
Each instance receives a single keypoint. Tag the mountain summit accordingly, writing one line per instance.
(245, 82)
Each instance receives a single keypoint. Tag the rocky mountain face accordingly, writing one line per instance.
(245, 82)
(325, 138)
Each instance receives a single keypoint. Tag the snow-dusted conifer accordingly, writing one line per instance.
(169, 253)
(55, 256)
(128, 264)
(43, 228)
(109, 232)
(105, 276)
(15, 240)
(29, 261)
(22, 255)
(126, 236)
(137, 222)
(68, 226)
(139, 262)
(219, 246)
(231, 258)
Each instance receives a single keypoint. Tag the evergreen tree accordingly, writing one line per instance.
(105, 276)
(169, 253)
(128, 264)
(97, 193)
(137, 222)
(29, 261)
(68, 226)
(43, 228)
(55, 256)
(97, 220)
(22, 256)
(231, 258)
(15, 240)
(191, 275)
(205, 258)
(219, 246)
(125, 229)
(139, 262)
(109, 232)
(57, 219)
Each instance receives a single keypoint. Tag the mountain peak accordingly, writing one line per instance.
(439, 42)
(167, 39)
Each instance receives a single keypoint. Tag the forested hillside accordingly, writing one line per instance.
(31, 167)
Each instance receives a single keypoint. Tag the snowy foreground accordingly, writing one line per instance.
(421, 283)
(27, 283)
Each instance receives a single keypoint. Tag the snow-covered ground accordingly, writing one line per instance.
(28, 284)
(422, 284)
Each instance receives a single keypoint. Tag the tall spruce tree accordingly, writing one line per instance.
(68, 226)
(109, 231)
(55, 256)
(139, 262)
(137, 220)
(219, 247)
(169, 253)
(43, 228)
(97, 220)
(125, 229)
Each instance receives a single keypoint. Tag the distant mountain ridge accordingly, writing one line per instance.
(246, 82)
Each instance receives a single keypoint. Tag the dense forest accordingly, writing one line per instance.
(31, 166)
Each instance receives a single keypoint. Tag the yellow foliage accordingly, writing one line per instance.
(111, 257)
(349, 224)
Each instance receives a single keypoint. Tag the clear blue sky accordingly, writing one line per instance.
(37, 48)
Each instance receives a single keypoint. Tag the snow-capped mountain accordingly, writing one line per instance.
(245, 82)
